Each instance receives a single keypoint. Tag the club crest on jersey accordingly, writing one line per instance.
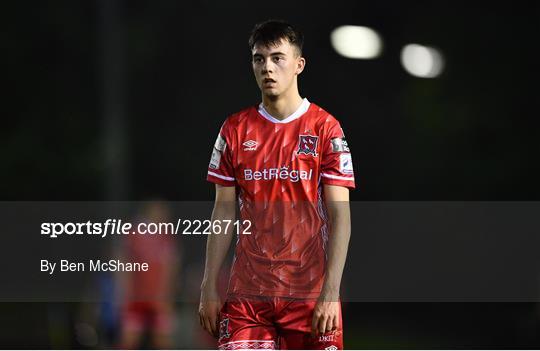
(307, 145)
(224, 328)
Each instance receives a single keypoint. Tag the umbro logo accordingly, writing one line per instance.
(250, 145)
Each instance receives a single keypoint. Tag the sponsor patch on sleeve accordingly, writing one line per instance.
(215, 159)
(345, 164)
(220, 143)
(339, 145)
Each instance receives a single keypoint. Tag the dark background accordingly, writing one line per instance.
(122, 100)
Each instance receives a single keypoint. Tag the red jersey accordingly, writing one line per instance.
(278, 168)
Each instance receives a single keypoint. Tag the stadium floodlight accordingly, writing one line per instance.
(356, 42)
(422, 61)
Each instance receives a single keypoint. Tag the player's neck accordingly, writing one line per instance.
(283, 106)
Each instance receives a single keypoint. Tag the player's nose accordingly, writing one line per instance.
(266, 70)
(267, 67)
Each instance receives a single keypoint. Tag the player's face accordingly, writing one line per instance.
(276, 67)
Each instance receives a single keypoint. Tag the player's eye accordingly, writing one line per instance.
(277, 59)
(257, 59)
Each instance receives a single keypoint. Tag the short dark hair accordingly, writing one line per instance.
(271, 32)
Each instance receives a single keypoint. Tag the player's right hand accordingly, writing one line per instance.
(209, 308)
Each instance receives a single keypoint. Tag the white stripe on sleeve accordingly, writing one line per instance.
(220, 176)
(336, 177)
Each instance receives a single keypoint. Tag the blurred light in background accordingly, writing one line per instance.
(422, 61)
(86, 335)
(356, 42)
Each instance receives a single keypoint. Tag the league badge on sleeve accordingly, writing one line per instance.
(339, 145)
(219, 147)
(215, 160)
(220, 143)
(345, 164)
(307, 145)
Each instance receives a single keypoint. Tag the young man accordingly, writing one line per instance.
(288, 165)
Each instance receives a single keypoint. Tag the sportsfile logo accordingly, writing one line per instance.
(250, 145)
(282, 173)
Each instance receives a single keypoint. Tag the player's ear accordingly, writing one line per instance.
(300, 64)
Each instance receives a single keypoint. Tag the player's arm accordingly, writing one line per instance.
(326, 314)
(337, 203)
(217, 246)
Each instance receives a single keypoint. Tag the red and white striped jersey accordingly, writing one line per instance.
(278, 168)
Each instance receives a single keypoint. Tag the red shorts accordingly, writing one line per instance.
(273, 323)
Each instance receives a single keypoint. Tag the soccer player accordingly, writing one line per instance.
(149, 296)
(288, 166)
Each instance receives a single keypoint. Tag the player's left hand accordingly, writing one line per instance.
(325, 317)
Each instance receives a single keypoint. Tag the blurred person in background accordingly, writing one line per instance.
(147, 314)
(287, 163)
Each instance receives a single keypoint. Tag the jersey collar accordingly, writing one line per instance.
(304, 106)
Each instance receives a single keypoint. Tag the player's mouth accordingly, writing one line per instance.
(268, 81)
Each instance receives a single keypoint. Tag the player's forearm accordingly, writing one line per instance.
(217, 245)
(338, 243)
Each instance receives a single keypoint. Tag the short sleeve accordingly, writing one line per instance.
(336, 162)
(220, 168)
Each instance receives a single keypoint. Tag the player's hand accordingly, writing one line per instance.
(325, 317)
(209, 308)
